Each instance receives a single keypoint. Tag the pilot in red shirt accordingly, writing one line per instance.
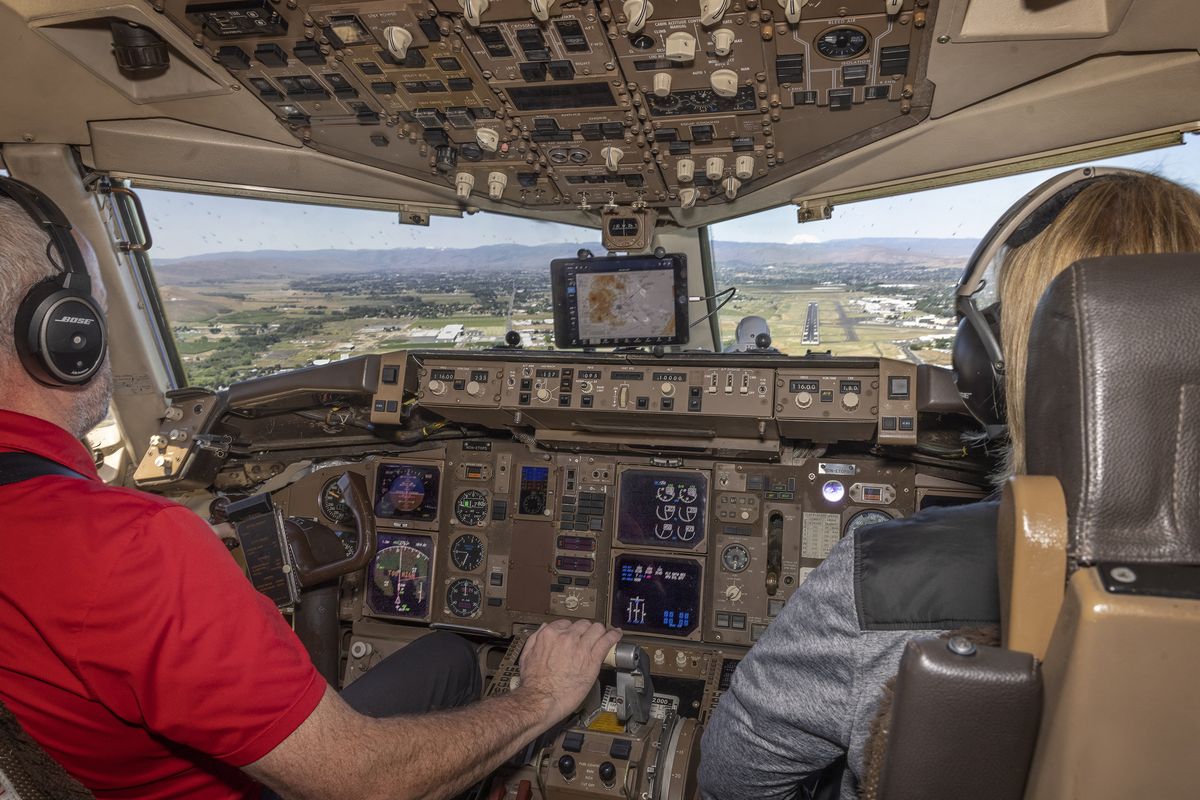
(136, 653)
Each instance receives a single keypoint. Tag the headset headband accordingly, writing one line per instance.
(50, 218)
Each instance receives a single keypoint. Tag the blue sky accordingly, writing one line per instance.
(188, 224)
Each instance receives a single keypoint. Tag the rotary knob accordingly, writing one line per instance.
(681, 659)
(723, 41)
(667, 389)
(437, 387)
(474, 388)
(173, 413)
(804, 400)
(488, 139)
(543, 394)
(662, 84)
(397, 40)
(585, 387)
(464, 182)
(158, 440)
(496, 183)
(714, 168)
(571, 602)
(361, 649)
(733, 593)
(687, 197)
(685, 170)
(850, 401)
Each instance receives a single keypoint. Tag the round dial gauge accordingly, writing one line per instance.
(467, 552)
(735, 557)
(842, 43)
(471, 507)
(463, 598)
(333, 505)
(865, 519)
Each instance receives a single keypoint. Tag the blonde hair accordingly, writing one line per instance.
(1123, 215)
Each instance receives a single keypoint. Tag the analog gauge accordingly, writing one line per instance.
(467, 552)
(641, 41)
(333, 505)
(865, 519)
(623, 227)
(463, 598)
(471, 507)
(735, 557)
(842, 43)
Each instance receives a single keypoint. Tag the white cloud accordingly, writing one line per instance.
(804, 238)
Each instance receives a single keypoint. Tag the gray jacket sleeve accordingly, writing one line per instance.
(790, 708)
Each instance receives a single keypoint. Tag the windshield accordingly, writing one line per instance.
(252, 287)
(878, 278)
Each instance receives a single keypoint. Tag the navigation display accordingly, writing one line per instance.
(400, 575)
(620, 300)
(407, 491)
(656, 595)
(658, 508)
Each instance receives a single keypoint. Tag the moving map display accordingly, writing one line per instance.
(400, 575)
(620, 300)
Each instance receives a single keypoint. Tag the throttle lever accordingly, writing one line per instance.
(635, 688)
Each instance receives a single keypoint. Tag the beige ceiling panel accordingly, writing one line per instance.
(966, 71)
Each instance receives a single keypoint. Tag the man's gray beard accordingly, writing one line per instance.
(91, 402)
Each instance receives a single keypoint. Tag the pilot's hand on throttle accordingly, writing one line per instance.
(561, 660)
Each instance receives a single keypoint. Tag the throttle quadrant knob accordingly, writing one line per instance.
(723, 41)
(488, 139)
(464, 182)
(714, 168)
(397, 41)
(566, 766)
(681, 46)
(612, 157)
(496, 183)
(638, 12)
(725, 83)
(685, 170)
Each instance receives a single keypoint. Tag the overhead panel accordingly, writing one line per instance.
(641, 103)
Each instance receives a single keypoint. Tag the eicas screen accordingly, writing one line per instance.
(654, 595)
(662, 509)
(407, 491)
(620, 300)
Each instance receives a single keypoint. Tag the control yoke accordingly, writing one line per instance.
(635, 689)
(312, 570)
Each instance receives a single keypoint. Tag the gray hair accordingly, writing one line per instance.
(23, 263)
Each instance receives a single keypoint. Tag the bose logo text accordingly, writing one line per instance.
(76, 320)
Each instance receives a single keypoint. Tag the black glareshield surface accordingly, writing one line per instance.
(661, 508)
(407, 491)
(619, 301)
(656, 595)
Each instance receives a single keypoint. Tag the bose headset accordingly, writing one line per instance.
(60, 331)
(978, 359)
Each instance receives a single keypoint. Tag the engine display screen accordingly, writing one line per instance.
(400, 576)
(662, 509)
(619, 300)
(407, 491)
(656, 595)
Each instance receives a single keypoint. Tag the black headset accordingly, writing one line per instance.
(977, 357)
(60, 332)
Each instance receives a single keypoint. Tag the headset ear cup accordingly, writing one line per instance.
(980, 383)
(60, 334)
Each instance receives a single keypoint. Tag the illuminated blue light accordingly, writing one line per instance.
(833, 491)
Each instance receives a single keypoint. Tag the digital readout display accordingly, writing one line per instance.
(804, 385)
(656, 595)
(662, 509)
(407, 491)
(400, 576)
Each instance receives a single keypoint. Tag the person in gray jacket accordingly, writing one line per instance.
(796, 718)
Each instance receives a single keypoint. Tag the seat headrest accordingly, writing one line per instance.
(1113, 406)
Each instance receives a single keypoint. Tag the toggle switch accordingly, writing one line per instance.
(723, 41)
(464, 182)
(731, 186)
(496, 183)
(681, 46)
(714, 168)
(397, 41)
(638, 12)
(724, 82)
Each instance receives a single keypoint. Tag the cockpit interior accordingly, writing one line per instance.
(631, 461)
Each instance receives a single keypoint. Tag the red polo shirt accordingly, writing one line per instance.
(131, 645)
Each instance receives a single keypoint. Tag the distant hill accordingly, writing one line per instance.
(278, 264)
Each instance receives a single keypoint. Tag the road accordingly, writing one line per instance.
(847, 323)
(910, 355)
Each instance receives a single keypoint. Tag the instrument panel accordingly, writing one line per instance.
(578, 103)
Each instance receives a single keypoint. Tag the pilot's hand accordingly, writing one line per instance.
(561, 660)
